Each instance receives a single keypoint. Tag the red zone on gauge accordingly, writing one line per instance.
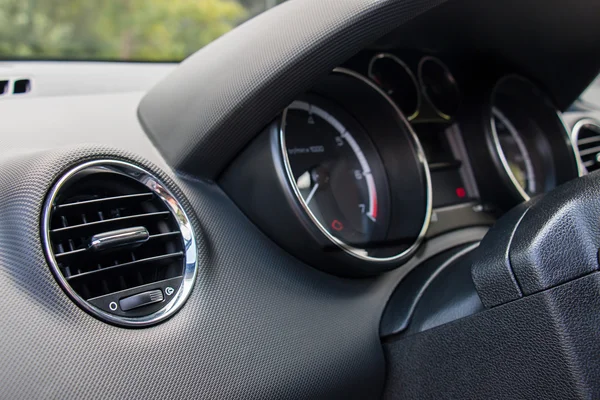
(334, 172)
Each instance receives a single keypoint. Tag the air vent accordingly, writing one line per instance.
(586, 133)
(21, 86)
(10, 86)
(119, 243)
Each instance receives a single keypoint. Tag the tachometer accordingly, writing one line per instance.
(338, 174)
(340, 180)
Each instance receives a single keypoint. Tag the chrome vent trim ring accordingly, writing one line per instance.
(161, 191)
(589, 124)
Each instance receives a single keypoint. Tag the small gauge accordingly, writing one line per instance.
(439, 87)
(530, 147)
(338, 174)
(397, 81)
(514, 151)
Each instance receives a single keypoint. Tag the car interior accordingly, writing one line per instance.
(335, 199)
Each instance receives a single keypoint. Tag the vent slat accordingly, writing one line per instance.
(80, 252)
(588, 140)
(69, 253)
(166, 234)
(124, 199)
(593, 150)
(110, 221)
(140, 262)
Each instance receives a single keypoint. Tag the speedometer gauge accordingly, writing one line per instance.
(338, 174)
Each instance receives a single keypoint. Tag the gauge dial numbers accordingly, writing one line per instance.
(356, 170)
(338, 174)
(339, 180)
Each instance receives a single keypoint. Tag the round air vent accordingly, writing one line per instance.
(586, 134)
(119, 243)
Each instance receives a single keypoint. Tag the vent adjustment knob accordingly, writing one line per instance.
(141, 299)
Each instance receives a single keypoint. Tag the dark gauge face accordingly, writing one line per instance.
(529, 144)
(514, 151)
(338, 174)
(439, 86)
(397, 80)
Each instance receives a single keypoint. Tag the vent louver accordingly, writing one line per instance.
(586, 134)
(119, 243)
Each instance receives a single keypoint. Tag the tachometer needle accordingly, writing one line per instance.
(312, 193)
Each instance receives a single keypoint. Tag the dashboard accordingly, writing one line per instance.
(296, 215)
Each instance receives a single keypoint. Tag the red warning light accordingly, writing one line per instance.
(337, 225)
(461, 192)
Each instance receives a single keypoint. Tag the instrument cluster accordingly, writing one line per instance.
(387, 151)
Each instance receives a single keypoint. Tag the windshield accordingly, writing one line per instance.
(131, 30)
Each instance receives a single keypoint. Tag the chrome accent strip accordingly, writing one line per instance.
(185, 227)
(353, 251)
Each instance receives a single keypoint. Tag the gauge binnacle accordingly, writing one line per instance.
(338, 175)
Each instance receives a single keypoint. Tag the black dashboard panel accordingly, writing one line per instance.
(539, 40)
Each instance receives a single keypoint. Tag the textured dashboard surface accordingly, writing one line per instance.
(258, 324)
(520, 350)
(207, 110)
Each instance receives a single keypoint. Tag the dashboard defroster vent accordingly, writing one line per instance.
(586, 135)
(15, 86)
(119, 243)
